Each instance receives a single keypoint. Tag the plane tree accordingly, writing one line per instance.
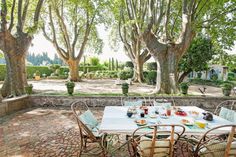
(134, 47)
(170, 26)
(71, 28)
(19, 21)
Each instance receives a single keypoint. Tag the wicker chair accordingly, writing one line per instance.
(227, 110)
(212, 146)
(229, 104)
(88, 133)
(155, 140)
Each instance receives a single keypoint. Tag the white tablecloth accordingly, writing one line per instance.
(115, 120)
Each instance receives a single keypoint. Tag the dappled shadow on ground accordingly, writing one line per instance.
(43, 132)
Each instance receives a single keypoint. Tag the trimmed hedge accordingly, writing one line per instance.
(30, 71)
(126, 74)
(150, 77)
(44, 70)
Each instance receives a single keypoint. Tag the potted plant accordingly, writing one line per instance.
(226, 88)
(184, 87)
(29, 89)
(70, 87)
(125, 88)
(37, 75)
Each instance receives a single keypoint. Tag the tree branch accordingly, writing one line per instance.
(12, 15)
(65, 32)
(60, 51)
(26, 5)
(19, 17)
(37, 12)
(86, 34)
(166, 29)
(3, 16)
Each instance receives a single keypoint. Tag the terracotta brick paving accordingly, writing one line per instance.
(42, 132)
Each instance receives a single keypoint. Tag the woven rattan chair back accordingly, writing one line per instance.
(78, 108)
(155, 140)
(86, 134)
(229, 104)
(215, 145)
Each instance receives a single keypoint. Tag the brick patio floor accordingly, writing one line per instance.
(42, 132)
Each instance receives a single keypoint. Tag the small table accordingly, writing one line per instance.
(115, 121)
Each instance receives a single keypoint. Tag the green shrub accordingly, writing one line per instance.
(231, 76)
(37, 73)
(184, 87)
(227, 86)
(126, 74)
(129, 64)
(151, 77)
(151, 66)
(42, 70)
(94, 61)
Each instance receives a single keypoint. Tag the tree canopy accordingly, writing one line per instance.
(197, 57)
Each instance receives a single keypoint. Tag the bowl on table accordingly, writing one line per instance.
(129, 114)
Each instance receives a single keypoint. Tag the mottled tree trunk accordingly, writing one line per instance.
(167, 63)
(74, 70)
(15, 50)
(138, 70)
(16, 77)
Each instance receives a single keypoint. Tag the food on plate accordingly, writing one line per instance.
(186, 122)
(194, 114)
(141, 122)
(180, 112)
(201, 124)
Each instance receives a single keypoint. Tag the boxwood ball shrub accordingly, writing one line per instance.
(129, 64)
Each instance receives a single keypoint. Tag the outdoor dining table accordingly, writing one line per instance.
(116, 121)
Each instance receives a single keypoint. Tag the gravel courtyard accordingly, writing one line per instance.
(107, 86)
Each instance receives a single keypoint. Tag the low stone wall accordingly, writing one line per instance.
(11, 105)
(207, 103)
